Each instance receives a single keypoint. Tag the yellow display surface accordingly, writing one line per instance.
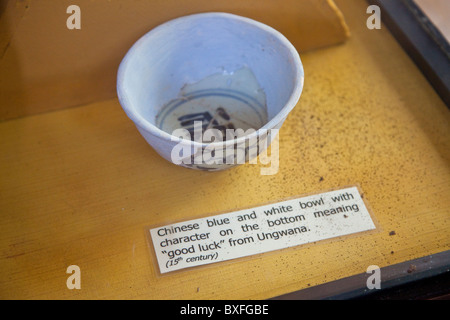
(79, 186)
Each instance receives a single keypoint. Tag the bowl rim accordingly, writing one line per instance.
(147, 126)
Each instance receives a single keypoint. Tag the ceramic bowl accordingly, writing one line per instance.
(207, 71)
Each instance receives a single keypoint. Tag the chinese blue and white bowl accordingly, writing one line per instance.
(192, 82)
